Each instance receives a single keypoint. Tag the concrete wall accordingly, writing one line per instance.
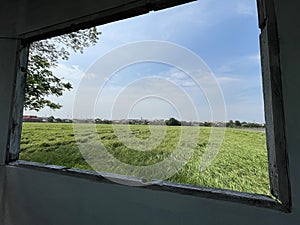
(36, 197)
(29, 196)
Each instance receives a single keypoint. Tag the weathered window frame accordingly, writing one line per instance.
(274, 109)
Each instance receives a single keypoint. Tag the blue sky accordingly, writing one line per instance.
(224, 34)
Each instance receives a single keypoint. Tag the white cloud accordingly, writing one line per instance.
(243, 63)
(188, 84)
(226, 69)
(223, 79)
(179, 75)
(70, 73)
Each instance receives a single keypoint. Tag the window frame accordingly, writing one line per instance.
(273, 100)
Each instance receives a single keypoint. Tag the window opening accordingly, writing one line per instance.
(232, 54)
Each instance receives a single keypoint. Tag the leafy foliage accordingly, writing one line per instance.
(44, 55)
(237, 123)
(173, 122)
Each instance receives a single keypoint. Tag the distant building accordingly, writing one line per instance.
(31, 119)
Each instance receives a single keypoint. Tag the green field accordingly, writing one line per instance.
(241, 164)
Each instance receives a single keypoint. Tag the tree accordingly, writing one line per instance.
(237, 123)
(207, 124)
(45, 55)
(229, 124)
(98, 121)
(51, 119)
(59, 120)
(173, 122)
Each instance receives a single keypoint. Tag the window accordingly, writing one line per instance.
(273, 107)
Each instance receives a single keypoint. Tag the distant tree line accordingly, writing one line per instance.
(170, 122)
(239, 124)
(52, 119)
(99, 121)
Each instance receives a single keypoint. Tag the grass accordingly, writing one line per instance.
(241, 165)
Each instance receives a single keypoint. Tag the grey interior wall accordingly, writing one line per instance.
(35, 197)
(289, 36)
(7, 70)
(58, 14)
